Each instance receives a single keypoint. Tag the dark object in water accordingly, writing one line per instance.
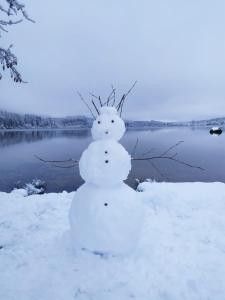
(216, 130)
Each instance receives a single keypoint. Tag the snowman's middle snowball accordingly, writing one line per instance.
(105, 163)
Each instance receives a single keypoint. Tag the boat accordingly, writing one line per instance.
(215, 130)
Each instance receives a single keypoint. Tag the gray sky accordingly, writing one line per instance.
(175, 49)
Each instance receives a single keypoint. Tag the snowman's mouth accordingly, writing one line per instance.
(106, 132)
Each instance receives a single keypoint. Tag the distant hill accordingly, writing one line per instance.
(210, 122)
(202, 123)
(10, 120)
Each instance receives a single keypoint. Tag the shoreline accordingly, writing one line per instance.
(127, 128)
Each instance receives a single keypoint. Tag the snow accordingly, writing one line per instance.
(180, 255)
(105, 163)
(109, 110)
(108, 125)
(106, 220)
(22, 192)
(215, 128)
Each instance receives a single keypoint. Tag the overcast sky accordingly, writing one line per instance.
(175, 49)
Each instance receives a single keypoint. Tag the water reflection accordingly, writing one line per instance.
(8, 138)
(17, 161)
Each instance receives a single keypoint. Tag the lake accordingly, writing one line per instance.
(17, 161)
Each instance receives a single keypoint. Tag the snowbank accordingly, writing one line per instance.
(181, 254)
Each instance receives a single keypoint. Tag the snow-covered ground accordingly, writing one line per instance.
(181, 254)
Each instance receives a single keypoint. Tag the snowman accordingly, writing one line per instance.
(105, 214)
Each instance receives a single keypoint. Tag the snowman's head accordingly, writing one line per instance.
(108, 125)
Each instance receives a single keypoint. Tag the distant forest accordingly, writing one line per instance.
(10, 120)
(16, 121)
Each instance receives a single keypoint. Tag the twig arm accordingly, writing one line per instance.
(166, 156)
(56, 161)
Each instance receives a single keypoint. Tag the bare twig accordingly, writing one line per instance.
(100, 101)
(158, 170)
(121, 103)
(110, 96)
(121, 107)
(65, 167)
(172, 147)
(114, 95)
(95, 107)
(82, 99)
(135, 147)
(128, 92)
(97, 97)
(56, 161)
(148, 152)
(167, 157)
(93, 95)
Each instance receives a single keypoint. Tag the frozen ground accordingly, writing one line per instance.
(181, 254)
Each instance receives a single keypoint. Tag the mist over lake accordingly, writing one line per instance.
(17, 161)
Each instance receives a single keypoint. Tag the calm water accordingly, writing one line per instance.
(17, 161)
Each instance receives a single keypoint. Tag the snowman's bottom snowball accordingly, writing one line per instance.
(106, 220)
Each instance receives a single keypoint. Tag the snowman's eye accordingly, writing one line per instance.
(106, 161)
(99, 122)
(106, 204)
(106, 152)
(112, 121)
